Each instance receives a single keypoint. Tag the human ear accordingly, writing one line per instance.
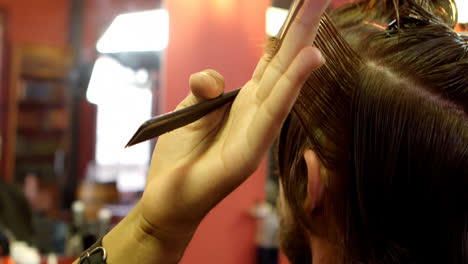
(314, 182)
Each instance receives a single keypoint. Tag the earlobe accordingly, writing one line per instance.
(314, 183)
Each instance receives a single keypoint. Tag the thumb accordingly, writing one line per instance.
(204, 85)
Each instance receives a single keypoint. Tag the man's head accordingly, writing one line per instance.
(374, 157)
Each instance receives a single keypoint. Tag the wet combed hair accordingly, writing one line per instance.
(387, 117)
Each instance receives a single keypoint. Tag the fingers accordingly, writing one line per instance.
(276, 107)
(207, 84)
(287, 88)
(260, 69)
(301, 33)
(204, 85)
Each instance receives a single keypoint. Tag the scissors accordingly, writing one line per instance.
(164, 123)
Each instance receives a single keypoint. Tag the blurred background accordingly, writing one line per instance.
(78, 77)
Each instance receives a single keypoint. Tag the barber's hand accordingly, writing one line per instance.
(196, 166)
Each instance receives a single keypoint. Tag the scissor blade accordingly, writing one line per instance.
(293, 10)
(161, 124)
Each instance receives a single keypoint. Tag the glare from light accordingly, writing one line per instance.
(275, 18)
(462, 11)
(123, 104)
(141, 31)
(142, 76)
(107, 77)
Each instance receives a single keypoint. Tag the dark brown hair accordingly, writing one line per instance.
(387, 117)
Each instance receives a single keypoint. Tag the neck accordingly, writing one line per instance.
(323, 252)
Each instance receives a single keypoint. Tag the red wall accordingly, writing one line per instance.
(38, 21)
(226, 35)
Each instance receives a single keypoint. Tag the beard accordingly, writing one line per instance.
(294, 242)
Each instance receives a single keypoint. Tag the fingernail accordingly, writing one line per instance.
(320, 57)
(209, 78)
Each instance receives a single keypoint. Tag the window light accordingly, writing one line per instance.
(462, 11)
(141, 31)
(124, 101)
(274, 20)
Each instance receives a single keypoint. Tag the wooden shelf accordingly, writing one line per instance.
(39, 104)
(38, 108)
(38, 78)
(41, 134)
(35, 158)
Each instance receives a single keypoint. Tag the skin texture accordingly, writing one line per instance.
(196, 166)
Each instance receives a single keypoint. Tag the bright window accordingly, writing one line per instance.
(124, 101)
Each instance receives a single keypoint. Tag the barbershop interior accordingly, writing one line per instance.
(77, 80)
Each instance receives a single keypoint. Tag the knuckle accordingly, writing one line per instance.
(277, 65)
(290, 78)
(300, 21)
